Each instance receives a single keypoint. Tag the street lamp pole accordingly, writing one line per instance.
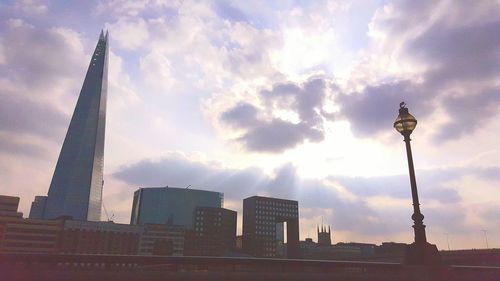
(418, 218)
(420, 252)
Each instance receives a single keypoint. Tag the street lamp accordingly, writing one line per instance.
(420, 251)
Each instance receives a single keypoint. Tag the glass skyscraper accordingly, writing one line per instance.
(170, 205)
(76, 187)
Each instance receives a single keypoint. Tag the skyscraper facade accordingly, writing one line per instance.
(171, 205)
(76, 187)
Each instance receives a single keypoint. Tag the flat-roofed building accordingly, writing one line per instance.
(169, 205)
(89, 237)
(214, 232)
(9, 205)
(30, 235)
(162, 239)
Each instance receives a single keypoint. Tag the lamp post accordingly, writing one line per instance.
(420, 251)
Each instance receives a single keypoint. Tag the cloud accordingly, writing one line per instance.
(448, 60)
(34, 83)
(302, 107)
(374, 109)
(130, 34)
(33, 56)
(24, 116)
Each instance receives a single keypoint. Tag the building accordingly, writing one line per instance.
(214, 232)
(89, 237)
(37, 207)
(366, 249)
(30, 235)
(315, 251)
(19, 235)
(324, 237)
(76, 187)
(169, 205)
(263, 227)
(9, 205)
(162, 239)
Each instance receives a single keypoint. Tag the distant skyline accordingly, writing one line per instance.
(291, 99)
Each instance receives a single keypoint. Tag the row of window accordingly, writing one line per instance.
(201, 223)
(277, 213)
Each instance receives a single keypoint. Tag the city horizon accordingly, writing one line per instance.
(284, 103)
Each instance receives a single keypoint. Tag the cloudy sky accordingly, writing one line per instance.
(291, 99)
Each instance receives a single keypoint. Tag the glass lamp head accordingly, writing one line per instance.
(405, 122)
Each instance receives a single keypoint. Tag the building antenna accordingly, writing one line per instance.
(447, 240)
(485, 232)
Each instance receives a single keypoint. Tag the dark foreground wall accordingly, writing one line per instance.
(104, 267)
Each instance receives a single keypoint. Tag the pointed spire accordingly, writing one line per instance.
(107, 35)
(101, 36)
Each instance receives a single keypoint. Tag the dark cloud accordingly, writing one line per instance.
(23, 116)
(227, 11)
(467, 113)
(17, 147)
(39, 58)
(375, 108)
(456, 52)
(274, 134)
(242, 115)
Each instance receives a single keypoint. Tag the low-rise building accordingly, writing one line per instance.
(162, 239)
(90, 237)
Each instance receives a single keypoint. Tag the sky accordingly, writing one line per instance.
(288, 99)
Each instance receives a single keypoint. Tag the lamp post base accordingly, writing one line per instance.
(422, 254)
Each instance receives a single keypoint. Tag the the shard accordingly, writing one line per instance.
(76, 187)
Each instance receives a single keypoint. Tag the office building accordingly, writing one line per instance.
(169, 205)
(214, 232)
(37, 207)
(76, 186)
(18, 235)
(263, 227)
(162, 239)
(89, 237)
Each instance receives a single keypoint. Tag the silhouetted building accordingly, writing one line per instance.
(169, 205)
(76, 187)
(29, 235)
(324, 237)
(9, 206)
(314, 251)
(263, 227)
(88, 237)
(37, 207)
(19, 235)
(367, 249)
(239, 243)
(391, 249)
(162, 239)
(214, 232)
